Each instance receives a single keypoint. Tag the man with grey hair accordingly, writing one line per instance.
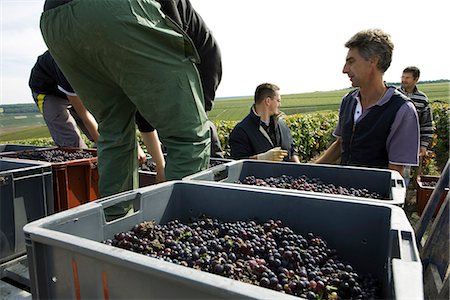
(378, 126)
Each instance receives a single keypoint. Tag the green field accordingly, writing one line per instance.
(24, 133)
(27, 125)
(236, 109)
(21, 120)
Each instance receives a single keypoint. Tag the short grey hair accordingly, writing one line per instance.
(373, 43)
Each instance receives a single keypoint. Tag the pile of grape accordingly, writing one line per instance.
(270, 255)
(213, 162)
(148, 166)
(56, 155)
(304, 183)
(429, 183)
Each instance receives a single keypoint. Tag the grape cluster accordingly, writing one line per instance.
(148, 166)
(56, 155)
(304, 183)
(213, 163)
(429, 183)
(270, 255)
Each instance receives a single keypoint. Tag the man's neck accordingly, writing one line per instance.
(371, 94)
(410, 90)
(262, 113)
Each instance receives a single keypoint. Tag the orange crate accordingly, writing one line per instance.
(146, 178)
(75, 182)
(424, 192)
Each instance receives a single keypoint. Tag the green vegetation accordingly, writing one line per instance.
(23, 116)
(312, 134)
(440, 144)
(24, 133)
(19, 108)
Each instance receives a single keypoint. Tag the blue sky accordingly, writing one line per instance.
(295, 44)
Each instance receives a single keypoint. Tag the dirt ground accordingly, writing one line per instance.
(411, 206)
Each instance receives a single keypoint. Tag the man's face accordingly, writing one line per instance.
(408, 81)
(357, 68)
(275, 104)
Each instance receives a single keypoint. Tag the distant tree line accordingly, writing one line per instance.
(32, 108)
(421, 82)
(19, 108)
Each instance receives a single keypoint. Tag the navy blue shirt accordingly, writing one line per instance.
(46, 78)
(49, 4)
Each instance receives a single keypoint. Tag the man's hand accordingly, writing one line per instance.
(141, 155)
(423, 151)
(275, 154)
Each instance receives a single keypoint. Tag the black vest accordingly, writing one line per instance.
(364, 143)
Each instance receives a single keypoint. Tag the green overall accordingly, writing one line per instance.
(123, 56)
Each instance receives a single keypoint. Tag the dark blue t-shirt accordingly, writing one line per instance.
(49, 4)
(46, 78)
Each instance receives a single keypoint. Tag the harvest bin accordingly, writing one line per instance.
(424, 192)
(389, 184)
(8, 148)
(67, 259)
(25, 195)
(74, 182)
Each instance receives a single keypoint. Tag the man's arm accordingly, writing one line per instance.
(153, 145)
(240, 144)
(87, 118)
(403, 140)
(332, 154)
(426, 128)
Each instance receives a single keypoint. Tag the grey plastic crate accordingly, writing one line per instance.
(213, 162)
(67, 259)
(388, 183)
(9, 148)
(147, 178)
(26, 195)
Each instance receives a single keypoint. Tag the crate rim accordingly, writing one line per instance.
(394, 176)
(56, 164)
(104, 202)
(36, 232)
(36, 163)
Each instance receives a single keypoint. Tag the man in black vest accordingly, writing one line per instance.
(378, 126)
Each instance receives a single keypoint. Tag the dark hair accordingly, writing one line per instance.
(265, 90)
(414, 70)
(373, 43)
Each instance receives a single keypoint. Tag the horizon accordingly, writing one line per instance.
(249, 96)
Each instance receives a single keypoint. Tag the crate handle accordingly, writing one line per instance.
(403, 246)
(407, 250)
(220, 173)
(118, 208)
